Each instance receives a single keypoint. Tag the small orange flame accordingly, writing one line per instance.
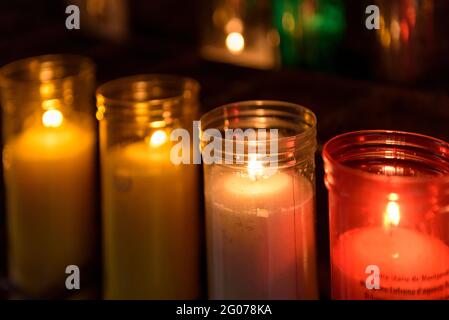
(392, 215)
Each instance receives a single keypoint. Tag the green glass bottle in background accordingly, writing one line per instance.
(311, 32)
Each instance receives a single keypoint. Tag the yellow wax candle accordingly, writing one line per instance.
(50, 203)
(150, 223)
(260, 235)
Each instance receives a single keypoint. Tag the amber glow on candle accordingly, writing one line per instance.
(151, 249)
(158, 138)
(49, 171)
(52, 118)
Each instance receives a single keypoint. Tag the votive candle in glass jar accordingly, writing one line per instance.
(388, 204)
(260, 217)
(49, 170)
(150, 205)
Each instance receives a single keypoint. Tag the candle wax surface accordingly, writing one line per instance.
(412, 265)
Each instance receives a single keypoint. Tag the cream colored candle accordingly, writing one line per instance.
(150, 223)
(50, 201)
(260, 234)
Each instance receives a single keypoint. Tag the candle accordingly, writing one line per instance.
(260, 234)
(50, 179)
(260, 206)
(150, 222)
(387, 210)
(412, 265)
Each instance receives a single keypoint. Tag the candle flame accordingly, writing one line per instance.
(255, 167)
(235, 42)
(158, 138)
(392, 215)
(52, 118)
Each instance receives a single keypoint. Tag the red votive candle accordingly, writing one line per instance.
(388, 210)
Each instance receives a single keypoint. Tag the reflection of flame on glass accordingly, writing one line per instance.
(255, 167)
(234, 25)
(52, 118)
(46, 89)
(158, 124)
(392, 212)
(235, 42)
(158, 138)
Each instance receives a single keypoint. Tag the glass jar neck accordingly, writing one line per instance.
(386, 159)
(42, 78)
(157, 99)
(248, 131)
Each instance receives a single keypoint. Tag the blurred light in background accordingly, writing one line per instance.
(311, 31)
(104, 18)
(239, 32)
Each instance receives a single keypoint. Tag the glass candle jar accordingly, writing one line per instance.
(260, 217)
(388, 205)
(239, 32)
(49, 163)
(150, 205)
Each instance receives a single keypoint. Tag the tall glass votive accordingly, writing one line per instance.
(388, 205)
(150, 205)
(260, 218)
(49, 170)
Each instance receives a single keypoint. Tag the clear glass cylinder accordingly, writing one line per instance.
(260, 218)
(388, 202)
(150, 205)
(49, 169)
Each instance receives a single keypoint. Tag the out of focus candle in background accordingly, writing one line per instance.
(386, 191)
(150, 205)
(261, 221)
(239, 32)
(48, 161)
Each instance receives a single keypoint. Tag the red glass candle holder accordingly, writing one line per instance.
(389, 221)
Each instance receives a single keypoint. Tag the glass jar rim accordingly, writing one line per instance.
(356, 172)
(104, 89)
(294, 146)
(81, 64)
(308, 132)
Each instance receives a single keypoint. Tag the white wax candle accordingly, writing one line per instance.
(49, 174)
(150, 223)
(260, 235)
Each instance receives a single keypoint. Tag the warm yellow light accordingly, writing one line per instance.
(235, 42)
(234, 25)
(385, 38)
(392, 212)
(51, 104)
(52, 118)
(255, 167)
(158, 124)
(395, 30)
(288, 22)
(46, 89)
(158, 138)
(100, 113)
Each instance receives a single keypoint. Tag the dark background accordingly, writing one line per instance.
(356, 92)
